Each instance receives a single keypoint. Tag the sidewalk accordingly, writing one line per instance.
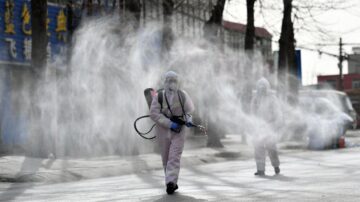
(26, 169)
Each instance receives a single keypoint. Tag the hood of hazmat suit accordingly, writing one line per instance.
(171, 81)
(262, 87)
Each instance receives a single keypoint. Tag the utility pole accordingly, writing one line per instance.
(341, 59)
(342, 56)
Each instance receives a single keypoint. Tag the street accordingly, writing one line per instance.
(99, 97)
(331, 175)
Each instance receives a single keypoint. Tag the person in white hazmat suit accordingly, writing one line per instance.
(267, 111)
(173, 105)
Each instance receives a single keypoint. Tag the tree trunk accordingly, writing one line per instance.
(39, 33)
(249, 47)
(113, 4)
(287, 63)
(168, 35)
(250, 27)
(40, 142)
(131, 10)
(211, 30)
(89, 6)
(168, 9)
(212, 26)
(70, 18)
(286, 42)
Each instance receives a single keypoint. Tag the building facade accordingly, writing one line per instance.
(354, 61)
(350, 81)
(15, 31)
(234, 37)
(188, 20)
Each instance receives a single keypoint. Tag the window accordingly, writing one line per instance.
(331, 83)
(356, 83)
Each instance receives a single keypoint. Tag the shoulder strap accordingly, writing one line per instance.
(182, 99)
(160, 98)
(168, 105)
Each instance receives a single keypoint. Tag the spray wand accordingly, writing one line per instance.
(143, 134)
(149, 94)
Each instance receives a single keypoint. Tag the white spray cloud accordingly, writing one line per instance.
(89, 107)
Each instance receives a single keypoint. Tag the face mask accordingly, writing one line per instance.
(173, 86)
(262, 91)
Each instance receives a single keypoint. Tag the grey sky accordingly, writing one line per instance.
(343, 23)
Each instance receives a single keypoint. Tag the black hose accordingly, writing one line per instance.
(152, 127)
(143, 134)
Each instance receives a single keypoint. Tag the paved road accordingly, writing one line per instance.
(306, 176)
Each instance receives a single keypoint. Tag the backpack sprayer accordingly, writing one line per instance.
(149, 94)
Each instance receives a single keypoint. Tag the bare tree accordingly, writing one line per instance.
(89, 7)
(131, 9)
(40, 144)
(303, 13)
(212, 25)
(168, 8)
(287, 38)
(304, 16)
(250, 26)
(211, 29)
(249, 47)
(39, 33)
(168, 35)
(298, 16)
(287, 63)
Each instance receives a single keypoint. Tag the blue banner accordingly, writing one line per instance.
(15, 31)
(298, 64)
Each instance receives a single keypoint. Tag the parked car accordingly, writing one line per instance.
(354, 95)
(321, 118)
(330, 116)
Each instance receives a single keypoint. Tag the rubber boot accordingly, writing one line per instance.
(171, 187)
(277, 170)
(260, 173)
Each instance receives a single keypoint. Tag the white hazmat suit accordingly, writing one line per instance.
(171, 143)
(265, 107)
